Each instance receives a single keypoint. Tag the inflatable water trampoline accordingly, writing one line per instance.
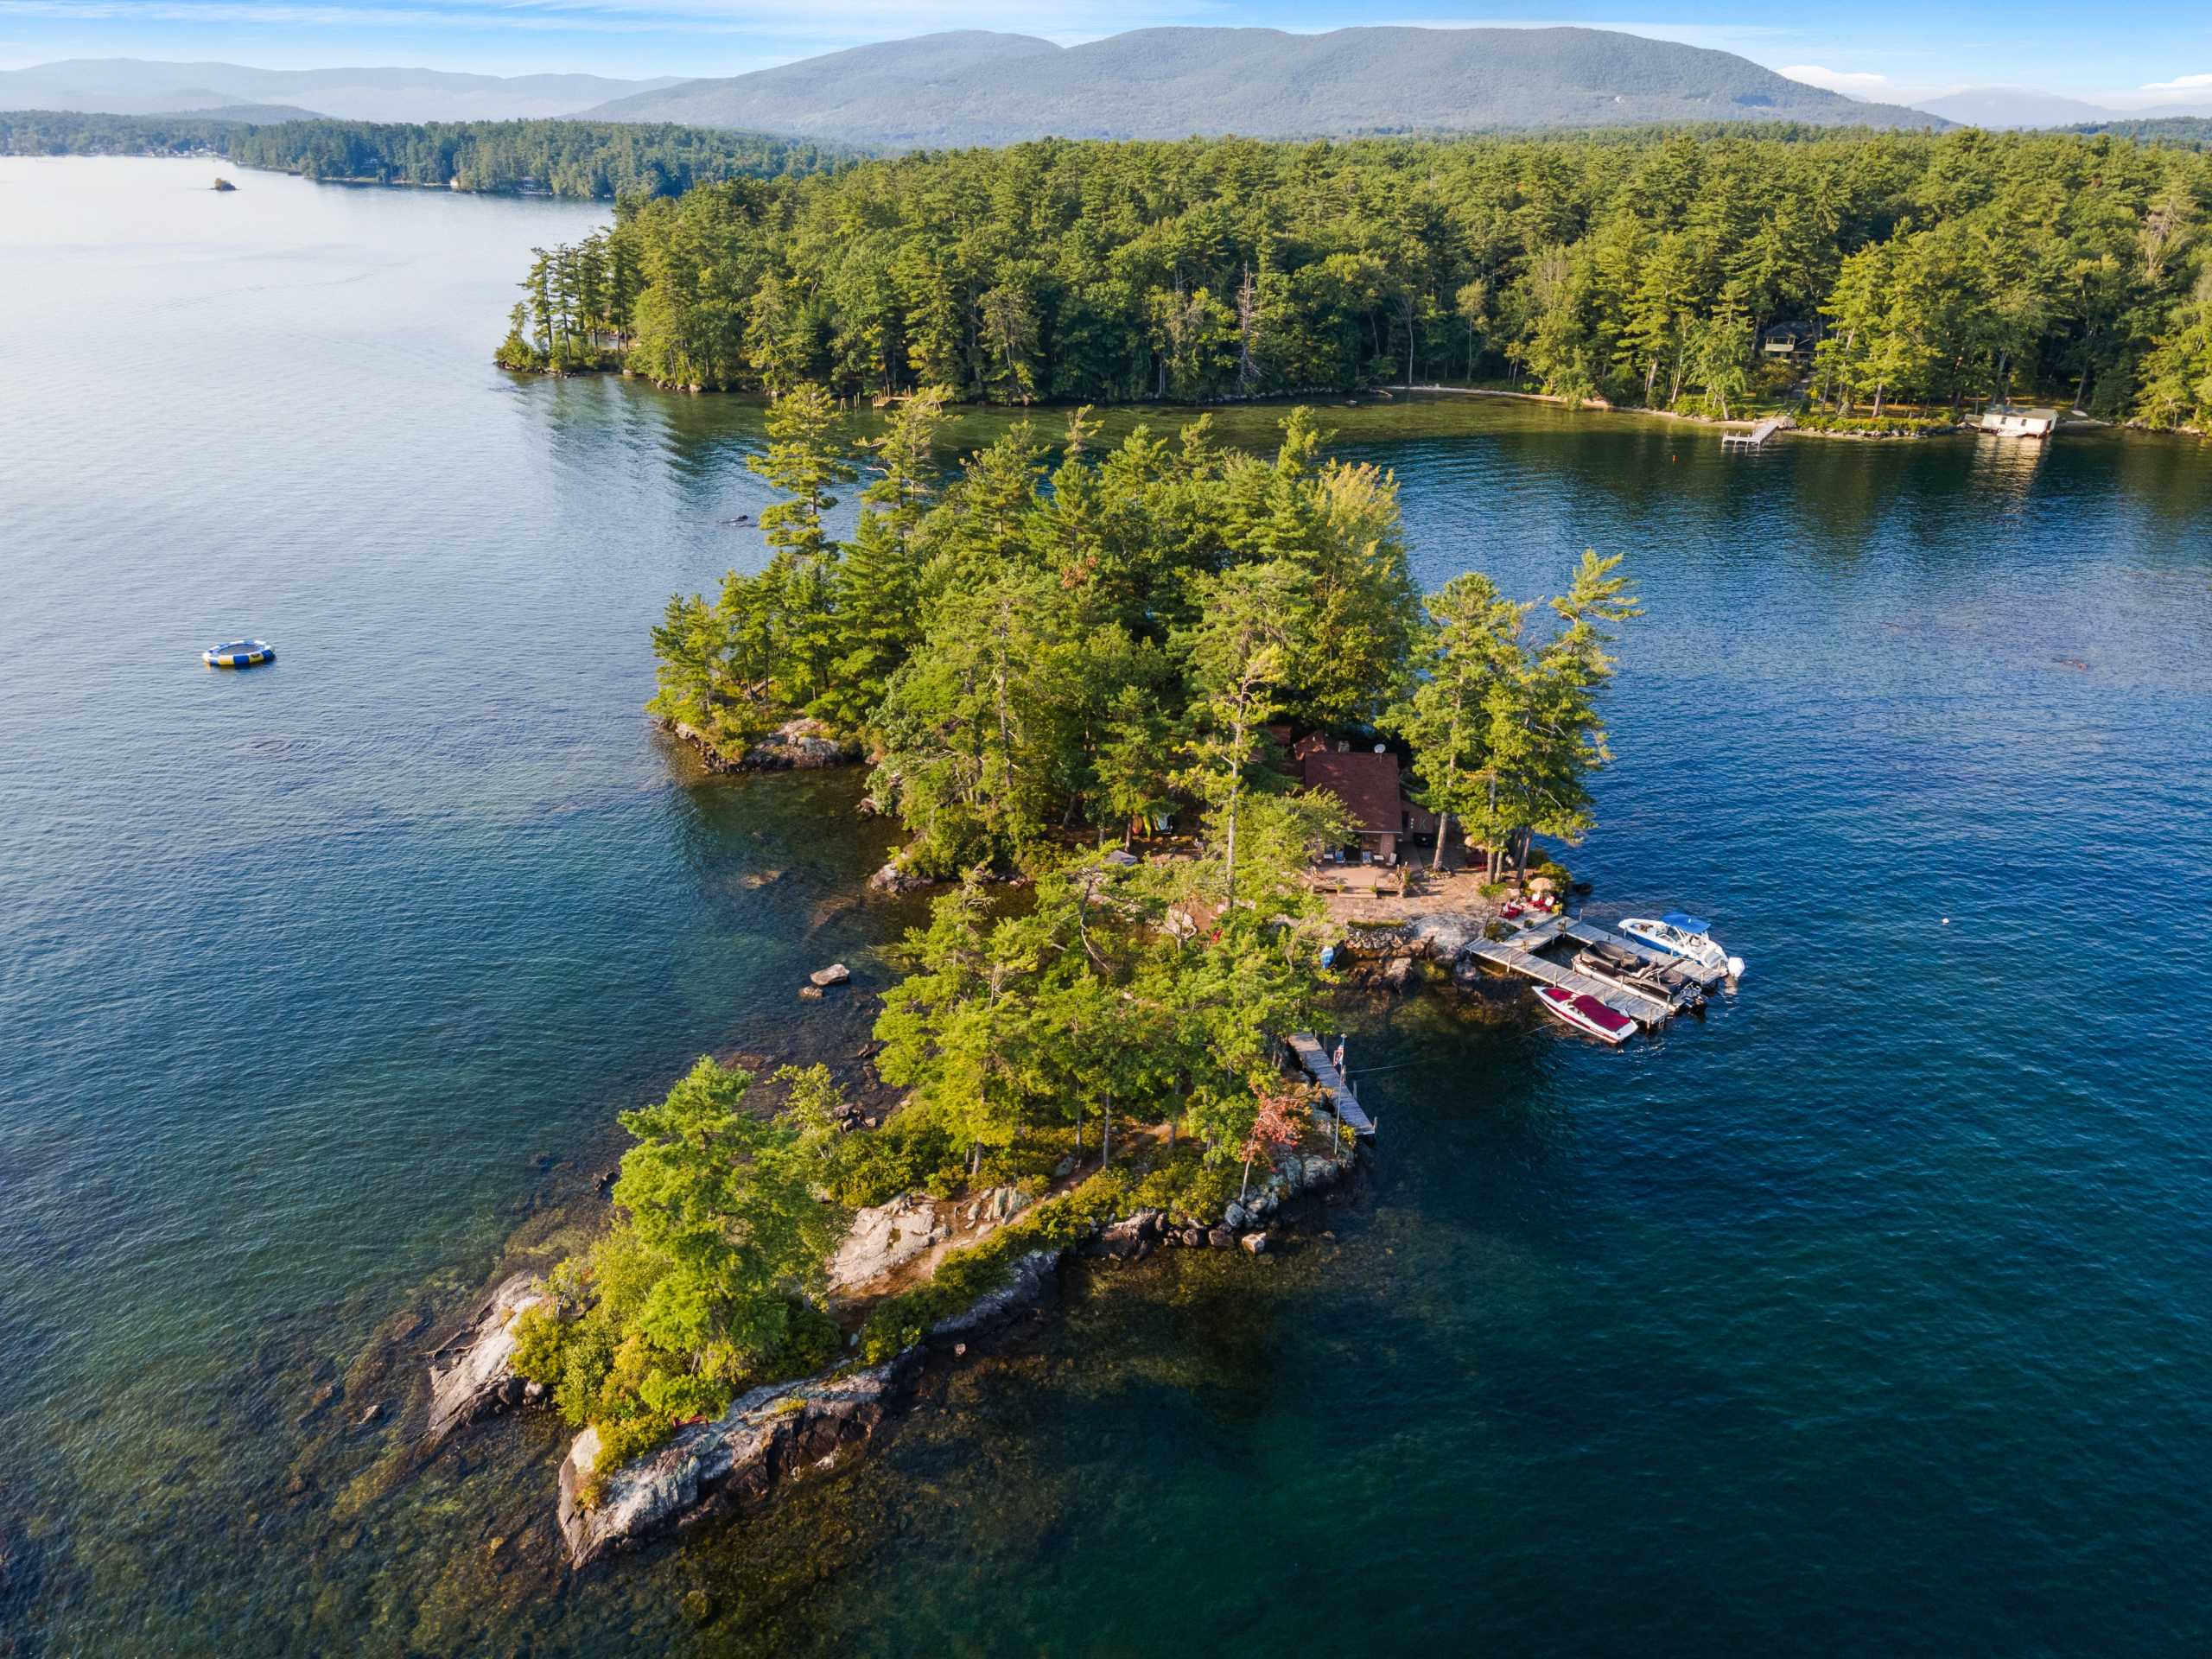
(240, 654)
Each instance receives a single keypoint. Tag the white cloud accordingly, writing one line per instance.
(2183, 84)
(1859, 83)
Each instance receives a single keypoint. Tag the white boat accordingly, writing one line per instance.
(1586, 1014)
(1688, 937)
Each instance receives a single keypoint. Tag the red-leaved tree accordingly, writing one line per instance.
(1281, 1117)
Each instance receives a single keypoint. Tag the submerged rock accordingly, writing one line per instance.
(892, 879)
(478, 1380)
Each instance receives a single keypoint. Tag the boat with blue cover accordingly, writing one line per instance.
(240, 654)
(1688, 937)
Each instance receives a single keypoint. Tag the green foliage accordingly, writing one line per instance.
(582, 159)
(1640, 267)
(1506, 733)
(705, 1282)
(1877, 425)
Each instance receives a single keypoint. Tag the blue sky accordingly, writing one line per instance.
(2134, 51)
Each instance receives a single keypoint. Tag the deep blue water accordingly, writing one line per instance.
(1867, 1314)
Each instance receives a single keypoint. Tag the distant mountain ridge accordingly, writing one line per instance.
(2032, 107)
(976, 87)
(141, 87)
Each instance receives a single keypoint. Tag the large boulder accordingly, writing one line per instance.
(796, 744)
(802, 744)
(888, 1236)
(766, 1435)
(473, 1377)
(892, 879)
(882, 1238)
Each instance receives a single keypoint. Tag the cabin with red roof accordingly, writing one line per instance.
(1368, 782)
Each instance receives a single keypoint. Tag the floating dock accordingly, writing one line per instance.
(1320, 1067)
(1584, 932)
(1518, 955)
(1757, 437)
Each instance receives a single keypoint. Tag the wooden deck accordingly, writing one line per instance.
(1320, 1067)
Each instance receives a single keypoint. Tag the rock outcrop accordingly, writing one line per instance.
(796, 745)
(475, 1378)
(892, 879)
(883, 1238)
(888, 1237)
(767, 1436)
(1035, 1281)
(787, 1431)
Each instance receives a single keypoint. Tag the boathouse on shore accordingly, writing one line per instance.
(2007, 421)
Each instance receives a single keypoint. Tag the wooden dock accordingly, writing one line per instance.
(1518, 955)
(1320, 1067)
(1590, 933)
(1757, 437)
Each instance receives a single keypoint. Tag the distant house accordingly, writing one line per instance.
(2007, 421)
(1368, 784)
(1788, 341)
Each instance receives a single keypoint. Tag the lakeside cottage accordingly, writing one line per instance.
(1370, 785)
(1788, 342)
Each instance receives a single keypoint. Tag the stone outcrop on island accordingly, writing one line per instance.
(889, 1237)
(787, 1431)
(473, 1377)
(799, 745)
(767, 1436)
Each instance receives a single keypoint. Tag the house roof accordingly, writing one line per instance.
(1367, 783)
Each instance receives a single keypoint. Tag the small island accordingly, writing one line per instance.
(1140, 712)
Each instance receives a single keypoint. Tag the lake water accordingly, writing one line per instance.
(1869, 1313)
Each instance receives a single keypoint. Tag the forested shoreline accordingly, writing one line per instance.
(596, 160)
(1645, 267)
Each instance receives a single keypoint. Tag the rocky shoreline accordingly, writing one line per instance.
(796, 746)
(783, 1433)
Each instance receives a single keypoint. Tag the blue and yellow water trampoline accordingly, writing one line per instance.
(240, 654)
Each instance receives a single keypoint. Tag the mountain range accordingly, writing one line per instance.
(137, 86)
(978, 87)
(2028, 106)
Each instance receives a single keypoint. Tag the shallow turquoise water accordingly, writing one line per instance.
(1867, 1314)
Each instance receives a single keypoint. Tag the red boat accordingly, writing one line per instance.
(1586, 1014)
